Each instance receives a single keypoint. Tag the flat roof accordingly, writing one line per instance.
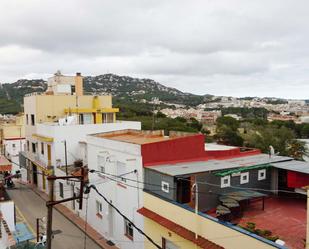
(212, 165)
(140, 136)
(298, 166)
(214, 146)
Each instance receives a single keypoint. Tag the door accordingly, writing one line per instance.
(184, 190)
(110, 222)
(34, 174)
(49, 154)
(73, 194)
(44, 181)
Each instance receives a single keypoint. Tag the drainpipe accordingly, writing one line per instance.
(307, 236)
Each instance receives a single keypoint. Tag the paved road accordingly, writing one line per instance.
(32, 206)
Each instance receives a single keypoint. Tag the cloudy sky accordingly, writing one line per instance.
(232, 47)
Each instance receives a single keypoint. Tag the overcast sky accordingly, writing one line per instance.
(234, 48)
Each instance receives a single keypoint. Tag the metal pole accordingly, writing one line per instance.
(66, 157)
(50, 212)
(37, 229)
(307, 235)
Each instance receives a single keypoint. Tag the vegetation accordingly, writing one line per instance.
(130, 110)
(267, 234)
(227, 131)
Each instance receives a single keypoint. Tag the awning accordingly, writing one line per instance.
(5, 164)
(242, 195)
(242, 169)
(43, 138)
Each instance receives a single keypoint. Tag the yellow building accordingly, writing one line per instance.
(172, 225)
(12, 132)
(56, 123)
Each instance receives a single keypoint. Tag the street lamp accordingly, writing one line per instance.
(194, 189)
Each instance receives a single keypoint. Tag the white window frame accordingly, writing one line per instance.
(165, 186)
(244, 178)
(228, 184)
(260, 177)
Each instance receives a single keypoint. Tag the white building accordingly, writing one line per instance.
(125, 153)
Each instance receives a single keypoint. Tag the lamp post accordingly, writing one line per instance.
(194, 189)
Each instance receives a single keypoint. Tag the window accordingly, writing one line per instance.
(165, 187)
(244, 178)
(13, 146)
(81, 118)
(32, 119)
(27, 119)
(166, 244)
(33, 148)
(121, 171)
(99, 208)
(262, 174)
(108, 117)
(225, 181)
(28, 146)
(61, 189)
(128, 229)
(42, 148)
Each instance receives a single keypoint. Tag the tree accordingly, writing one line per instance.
(297, 149)
(230, 122)
(305, 131)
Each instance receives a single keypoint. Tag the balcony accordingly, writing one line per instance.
(36, 160)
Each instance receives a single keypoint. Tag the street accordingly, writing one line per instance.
(32, 206)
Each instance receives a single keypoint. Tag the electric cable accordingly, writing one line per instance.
(121, 214)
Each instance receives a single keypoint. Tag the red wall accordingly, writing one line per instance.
(178, 149)
(297, 180)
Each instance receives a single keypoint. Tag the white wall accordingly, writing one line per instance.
(7, 209)
(73, 134)
(12, 149)
(127, 198)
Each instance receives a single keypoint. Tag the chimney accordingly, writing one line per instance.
(79, 85)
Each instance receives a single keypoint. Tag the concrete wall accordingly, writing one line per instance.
(227, 236)
(155, 179)
(209, 196)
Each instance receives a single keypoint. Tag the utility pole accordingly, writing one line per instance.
(51, 182)
(83, 177)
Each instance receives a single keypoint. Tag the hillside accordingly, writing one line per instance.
(123, 88)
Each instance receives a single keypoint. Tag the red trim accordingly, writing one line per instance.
(181, 231)
(120, 185)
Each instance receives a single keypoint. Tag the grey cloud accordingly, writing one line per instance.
(197, 46)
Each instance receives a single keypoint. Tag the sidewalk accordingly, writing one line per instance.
(78, 222)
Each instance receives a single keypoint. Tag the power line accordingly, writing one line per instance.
(119, 212)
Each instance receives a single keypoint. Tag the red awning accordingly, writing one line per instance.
(5, 165)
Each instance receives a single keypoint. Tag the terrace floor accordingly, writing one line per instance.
(284, 216)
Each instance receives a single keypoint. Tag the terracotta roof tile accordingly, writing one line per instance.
(181, 231)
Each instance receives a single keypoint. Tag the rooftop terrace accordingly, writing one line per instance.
(283, 216)
(141, 137)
